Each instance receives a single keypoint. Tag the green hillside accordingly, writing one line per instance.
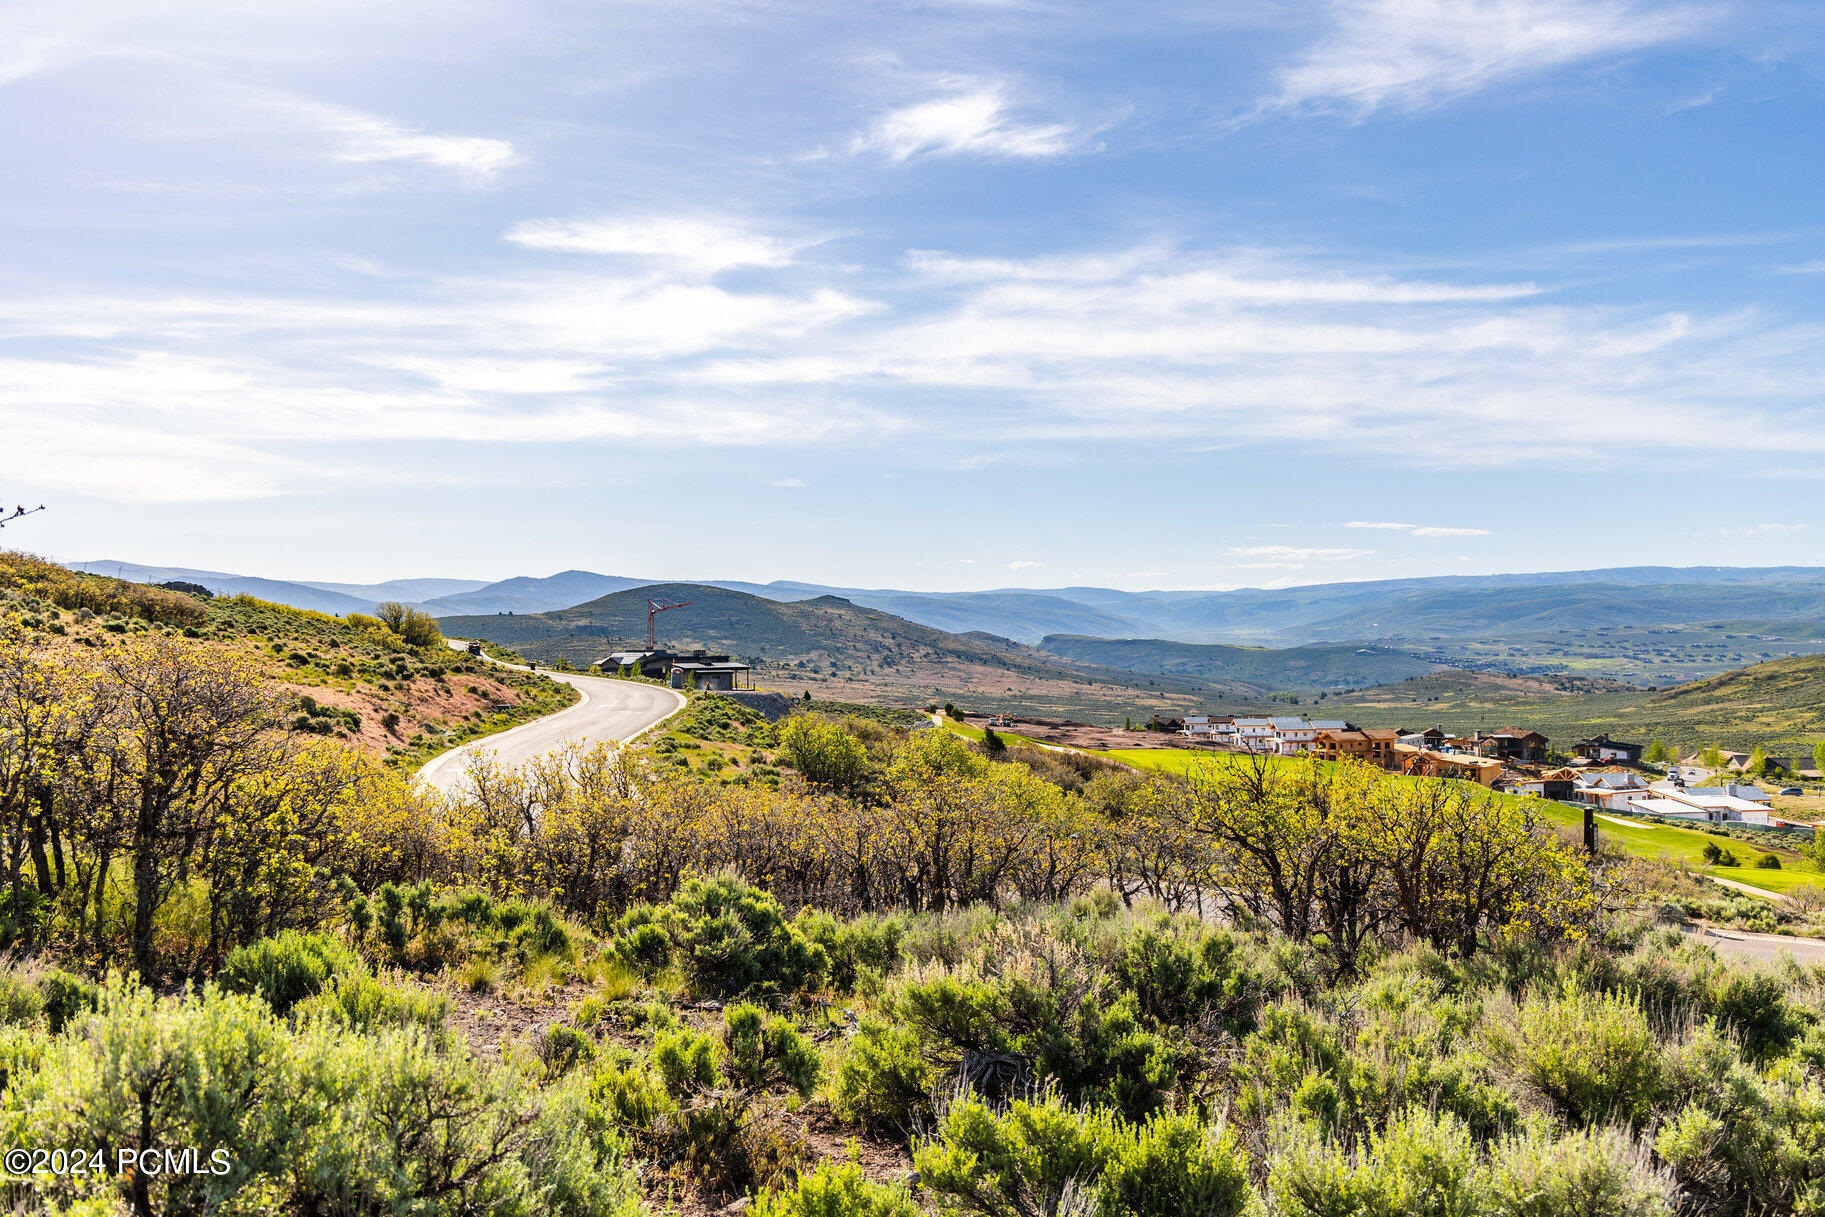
(840, 650)
(1779, 705)
(1293, 669)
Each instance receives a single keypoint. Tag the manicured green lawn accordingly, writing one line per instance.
(1666, 841)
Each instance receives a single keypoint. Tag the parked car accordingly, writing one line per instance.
(1793, 790)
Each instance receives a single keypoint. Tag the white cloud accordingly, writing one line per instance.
(970, 119)
(1294, 553)
(705, 244)
(1411, 54)
(1814, 267)
(1024, 565)
(1153, 345)
(1760, 530)
(370, 139)
(789, 483)
(1421, 530)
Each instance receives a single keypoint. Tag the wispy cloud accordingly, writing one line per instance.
(1420, 530)
(709, 245)
(1759, 530)
(368, 139)
(1814, 267)
(1294, 553)
(1413, 54)
(970, 119)
(1024, 565)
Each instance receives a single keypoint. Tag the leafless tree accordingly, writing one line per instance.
(17, 512)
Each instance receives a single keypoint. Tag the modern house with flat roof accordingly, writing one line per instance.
(1603, 748)
(1510, 744)
(696, 669)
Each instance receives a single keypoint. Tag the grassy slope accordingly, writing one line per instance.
(843, 651)
(1348, 666)
(443, 698)
(1779, 705)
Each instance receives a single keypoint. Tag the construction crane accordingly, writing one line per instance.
(653, 609)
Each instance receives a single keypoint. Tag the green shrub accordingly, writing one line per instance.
(1591, 1172)
(1593, 1056)
(731, 938)
(209, 1071)
(562, 1048)
(289, 968)
(884, 1074)
(858, 949)
(1046, 1014)
(836, 1190)
(1755, 1007)
(633, 1098)
(1037, 1157)
(21, 1001)
(1421, 1165)
(763, 1049)
(1177, 979)
(686, 1061)
(364, 1003)
(66, 998)
(577, 1162)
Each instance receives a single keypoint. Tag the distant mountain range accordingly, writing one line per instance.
(1328, 668)
(837, 649)
(1399, 611)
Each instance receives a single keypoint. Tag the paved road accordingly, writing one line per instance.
(610, 710)
(1741, 944)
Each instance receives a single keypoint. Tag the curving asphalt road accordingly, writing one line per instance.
(610, 711)
(1764, 948)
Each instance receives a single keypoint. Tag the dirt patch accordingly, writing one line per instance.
(489, 1022)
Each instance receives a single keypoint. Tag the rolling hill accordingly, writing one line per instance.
(1292, 669)
(525, 594)
(845, 651)
(1779, 705)
(279, 591)
(1648, 625)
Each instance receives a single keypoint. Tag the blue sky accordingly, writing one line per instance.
(934, 295)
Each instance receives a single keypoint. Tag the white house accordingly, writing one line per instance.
(1611, 790)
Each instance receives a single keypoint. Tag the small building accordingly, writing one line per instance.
(1729, 803)
(697, 669)
(1603, 748)
(1552, 784)
(1613, 789)
(1210, 727)
(1372, 745)
(1426, 763)
(1431, 737)
(1510, 744)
